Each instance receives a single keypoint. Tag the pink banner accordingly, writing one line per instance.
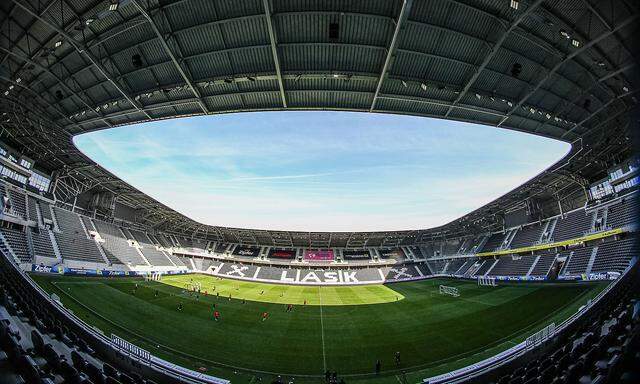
(319, 255)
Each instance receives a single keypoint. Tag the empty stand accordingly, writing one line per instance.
(116, 247)
(578, 261)
(32, 210)
(45, 211)
(42, 243)
(73, 241)
(163, 241)
(153, 255)
(18, 202)
(437, 266)
(615, 256)
(18, 243)
(573, 225)
(454, 265)
(527, 236)
(484, 268)
(508, 266)
(544, 264)
(623, 213)
(494, 241)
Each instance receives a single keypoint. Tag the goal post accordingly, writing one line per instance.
(153, 276)
(451, 291)
(487, 281)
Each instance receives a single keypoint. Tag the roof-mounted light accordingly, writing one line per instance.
(113, 5)
(514, 4)
(565, 34)
(575, 43)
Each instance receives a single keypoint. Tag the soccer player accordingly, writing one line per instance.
(378, 366)
(397, 357)
(179, 306)
(216, 315)
(156, 293)
(265, 315)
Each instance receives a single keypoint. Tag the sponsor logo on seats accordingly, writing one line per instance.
(237, 270)
(400, 273)
(318, 277)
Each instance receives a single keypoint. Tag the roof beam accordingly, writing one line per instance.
(62, 83)
(163, 41)
(404, 15)
(83, 51)
(555, 68)
(597, 111)
(25, 30)
(274, 50)
(492, 53)
(582, 94)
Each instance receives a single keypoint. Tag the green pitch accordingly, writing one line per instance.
(340, 328)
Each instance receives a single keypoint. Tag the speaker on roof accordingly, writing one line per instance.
(136, 60)
(516, 69)
(334, 31)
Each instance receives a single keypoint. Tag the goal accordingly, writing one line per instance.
(487, 281)
(155, 276)
(452, 291)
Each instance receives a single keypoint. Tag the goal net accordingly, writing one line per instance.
(452, 291)
(487, 281)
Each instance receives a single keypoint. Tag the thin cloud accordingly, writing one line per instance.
(316, 171)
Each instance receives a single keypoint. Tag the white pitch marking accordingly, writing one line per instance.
(324, 355)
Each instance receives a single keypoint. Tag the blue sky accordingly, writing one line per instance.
(321, 171)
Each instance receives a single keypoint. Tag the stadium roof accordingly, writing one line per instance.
(563, 69)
